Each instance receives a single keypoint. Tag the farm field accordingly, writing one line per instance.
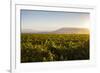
(54, 47)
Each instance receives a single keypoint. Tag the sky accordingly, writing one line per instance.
(52, 20)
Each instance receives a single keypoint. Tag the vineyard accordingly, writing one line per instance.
(54, 47)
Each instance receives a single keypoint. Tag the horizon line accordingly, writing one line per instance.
(55, 29)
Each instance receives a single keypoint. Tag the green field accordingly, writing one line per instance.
(54, 47)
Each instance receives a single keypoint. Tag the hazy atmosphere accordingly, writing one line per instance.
(52, 20)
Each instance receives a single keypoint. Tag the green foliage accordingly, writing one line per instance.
(54, 47)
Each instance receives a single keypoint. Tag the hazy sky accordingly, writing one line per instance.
(52, 20)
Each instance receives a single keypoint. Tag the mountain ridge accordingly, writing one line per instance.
(64, 30)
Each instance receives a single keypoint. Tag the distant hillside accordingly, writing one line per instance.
(72, 31)
(60, 31)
